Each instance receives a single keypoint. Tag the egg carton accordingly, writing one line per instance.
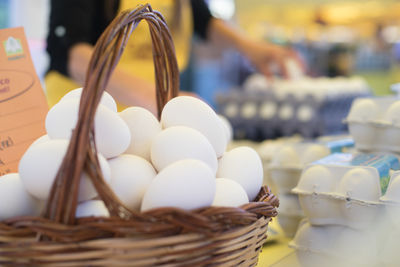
(335, 245)
(374, 124)
(289, 160)
(289, 213)
(392, 200)
(345, 189)
(306, 107)
(267, 150)
(389, 253)
(391, 229)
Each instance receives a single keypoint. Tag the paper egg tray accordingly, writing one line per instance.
(260, 115)
(374, 124)
(285, 177)
(289, 213)
(287, 164)
(334, 245)
(343, 195)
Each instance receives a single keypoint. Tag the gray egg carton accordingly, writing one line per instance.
(259, 115)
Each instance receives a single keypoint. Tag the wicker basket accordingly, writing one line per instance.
(212, 236)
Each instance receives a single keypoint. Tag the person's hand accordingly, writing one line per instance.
(269, 58)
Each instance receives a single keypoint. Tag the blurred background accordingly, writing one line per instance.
(334, 37)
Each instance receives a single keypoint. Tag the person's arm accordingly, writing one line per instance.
(262, 55)
(125, 87)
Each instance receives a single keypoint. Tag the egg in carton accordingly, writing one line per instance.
(289, 160)
(268, 121)
(345, 189)
(334, 245)
(241, 109)
(374, 123)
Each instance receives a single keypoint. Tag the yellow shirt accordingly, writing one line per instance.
(137, 57)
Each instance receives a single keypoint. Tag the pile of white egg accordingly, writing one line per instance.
(180, 161)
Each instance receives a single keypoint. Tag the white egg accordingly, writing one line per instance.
(314, 152)
(39, 166)
(228, 128)
(192, 112)
(180, 142)
(112, 134)
(14, 199)
(256, 82)
(143, 126)
(86, 189)
(187, 184)
(243, 165)
(317, 179)
(106, 99)
(392, 114)
(229, 193)
(131, 176)
(363, 109)
(286, 156)
(92, 208)
(361, 184)
(42, 139)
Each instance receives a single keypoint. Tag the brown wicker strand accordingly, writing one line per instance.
(61, 206)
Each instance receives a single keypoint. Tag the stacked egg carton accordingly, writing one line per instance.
(341, 199)
(391, 200)
(285, 169)
(374, 124)
(310, 107)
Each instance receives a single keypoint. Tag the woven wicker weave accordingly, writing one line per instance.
(212, 236)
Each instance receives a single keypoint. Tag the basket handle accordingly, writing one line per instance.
(81, 154)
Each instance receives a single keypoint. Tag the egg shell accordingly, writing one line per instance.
(131, 176)
(39, 165)
(192, 112)
(106, 99)
(361, 184)
(286, 156)
(229, 193)
(243, 165)
(112, 133)
(187, 184)
(92, 208)
(42, 139)
(14, 199)
(364, 110)
(143, 126)
(228, 128)
(256, 82)
(181, 142)
(392, 114)
(317, 179)
(86, 189)
(314, 152)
